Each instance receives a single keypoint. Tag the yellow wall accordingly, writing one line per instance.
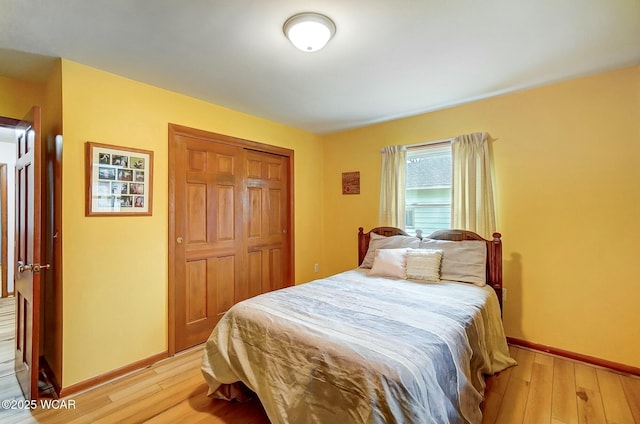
(115, 269)
(52, 102)
(567, 168)
(17, 97)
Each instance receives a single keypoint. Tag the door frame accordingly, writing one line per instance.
(176, 130)
(12, 123)
(5, 231)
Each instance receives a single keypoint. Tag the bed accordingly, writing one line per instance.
(369, 346)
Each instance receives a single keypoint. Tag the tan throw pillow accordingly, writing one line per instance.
(389, 263)
(424, 264)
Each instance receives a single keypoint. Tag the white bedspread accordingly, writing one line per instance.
(357, 349)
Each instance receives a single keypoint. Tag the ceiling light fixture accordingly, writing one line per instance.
(309, 31)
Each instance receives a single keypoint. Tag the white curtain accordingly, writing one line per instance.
(472, 201)
(392, 186)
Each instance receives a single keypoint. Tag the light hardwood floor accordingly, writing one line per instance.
(549, 389)
(8, 384)
(541, 389)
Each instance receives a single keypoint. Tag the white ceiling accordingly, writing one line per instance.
(389, 58)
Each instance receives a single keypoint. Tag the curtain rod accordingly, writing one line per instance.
(426, 143)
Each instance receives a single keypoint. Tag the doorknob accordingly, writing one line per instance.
(22, 267)
(31, 267)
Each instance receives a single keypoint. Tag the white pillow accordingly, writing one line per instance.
(464, 261)
(381, 242)
(424, 264)
(389, 263)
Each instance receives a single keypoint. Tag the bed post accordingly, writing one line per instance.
(363, 245)
(495, 265)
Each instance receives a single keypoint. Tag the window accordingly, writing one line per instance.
(428, 188)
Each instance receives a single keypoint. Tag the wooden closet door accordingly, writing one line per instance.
(266, 224)
(230, 227)
(209, 247)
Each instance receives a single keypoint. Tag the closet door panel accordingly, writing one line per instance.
(196, 291)
(267, 199)
(225, 216)
(224, 274)
(254, 223)
(208, 205)
(255, 274)
(277, 274)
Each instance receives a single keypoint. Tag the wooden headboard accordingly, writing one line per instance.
(494, 249)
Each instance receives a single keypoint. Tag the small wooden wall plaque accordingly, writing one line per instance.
(351, 182)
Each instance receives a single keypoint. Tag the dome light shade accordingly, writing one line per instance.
(309, 31)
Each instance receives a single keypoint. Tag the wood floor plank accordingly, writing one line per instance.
(543, 358)
(84, 405)
(137, 399)
(616, 408)
(149, 406)
(590, 408)
(140, 376)
(193, 357)
(631, 386)
(494, 393)
(149, 384)
(166, 383)
(9, 388)
(17, 417)
(514, 402)
(564, 406)
(200, 407)
(499, 381)
(491, 407)
(538, 409)
(524, 369)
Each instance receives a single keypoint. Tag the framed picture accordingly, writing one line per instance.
(119, 180)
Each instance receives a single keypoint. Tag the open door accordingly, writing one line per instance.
(28, 253)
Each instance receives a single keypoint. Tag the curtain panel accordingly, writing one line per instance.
(472, 200)
(392, 186)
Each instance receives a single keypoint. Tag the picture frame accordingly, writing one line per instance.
(119, 180)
